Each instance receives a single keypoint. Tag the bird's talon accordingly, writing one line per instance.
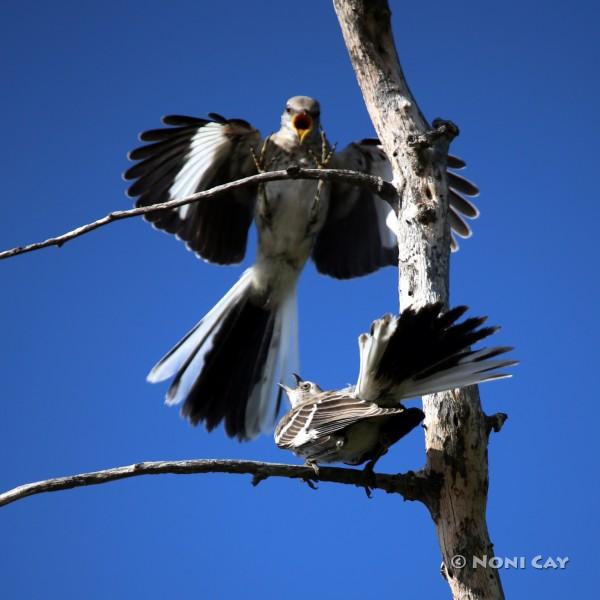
(369, 467)
(313, 466)
(310, 483)
(293, 170)
(257, 161)
(326, 151)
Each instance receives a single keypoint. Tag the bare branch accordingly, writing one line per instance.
(412, 486)
(384, 188)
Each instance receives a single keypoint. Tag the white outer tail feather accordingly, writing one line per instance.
(170, 364)
(371, 346)
(470, 370)
(451, 379)
(281, 361)
(282, 357)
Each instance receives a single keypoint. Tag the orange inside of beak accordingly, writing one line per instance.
(303, 124)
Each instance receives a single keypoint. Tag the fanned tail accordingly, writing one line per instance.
(424, 351)
(226, 367)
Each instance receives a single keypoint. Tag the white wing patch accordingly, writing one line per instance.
(386, 217)
(207, 148)
(306, 434)
(389, 235)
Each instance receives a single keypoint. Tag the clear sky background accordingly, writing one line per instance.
(82, 325)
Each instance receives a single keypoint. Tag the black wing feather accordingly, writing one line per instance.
(215, 228)
(350, 242)
(427, 340)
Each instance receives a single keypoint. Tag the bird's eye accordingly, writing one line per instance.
(288, 110)
(305, 386)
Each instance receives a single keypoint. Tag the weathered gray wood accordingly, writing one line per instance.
(376, 184)
(454, 482)
(409, 485)
(456, 428)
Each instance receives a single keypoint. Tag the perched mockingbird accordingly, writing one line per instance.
(226, 367)
(420, 352)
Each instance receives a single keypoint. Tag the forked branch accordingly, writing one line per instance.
(456, 429)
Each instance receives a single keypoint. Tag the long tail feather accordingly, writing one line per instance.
(424, 351)
(172, 362)
(225, 368)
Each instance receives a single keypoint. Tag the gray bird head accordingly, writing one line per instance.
(304, 390)
(301, 118)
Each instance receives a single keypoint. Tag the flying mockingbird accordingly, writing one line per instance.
(226, 367)
(420, 352)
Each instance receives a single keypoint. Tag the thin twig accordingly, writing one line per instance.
(412, 486)
(495, 422)
(440, 129)
(383, 188)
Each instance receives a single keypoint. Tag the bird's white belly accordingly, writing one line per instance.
(290, 213)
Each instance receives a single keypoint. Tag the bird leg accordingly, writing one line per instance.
(264, 212)
(256, 159)
(313, 465)
(326, 153)
(370, 466)
(310, 483)
(369, 470)
(259, 160)
(315, 207)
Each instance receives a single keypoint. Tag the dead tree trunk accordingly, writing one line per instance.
(457, 430)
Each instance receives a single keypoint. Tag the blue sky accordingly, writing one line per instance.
(82, 325)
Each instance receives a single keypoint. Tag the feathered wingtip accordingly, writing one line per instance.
(425, 350)
(371, 348)
(459, 207)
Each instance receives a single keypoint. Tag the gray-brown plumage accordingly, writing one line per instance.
(335, 426)
(422, 351)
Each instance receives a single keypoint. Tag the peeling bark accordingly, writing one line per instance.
(457, 430)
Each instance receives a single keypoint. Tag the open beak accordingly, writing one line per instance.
(303, 124)
(285, 388)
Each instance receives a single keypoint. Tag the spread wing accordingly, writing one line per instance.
(359, 233)
(355, 239)
(324, 415)
(190, 155)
